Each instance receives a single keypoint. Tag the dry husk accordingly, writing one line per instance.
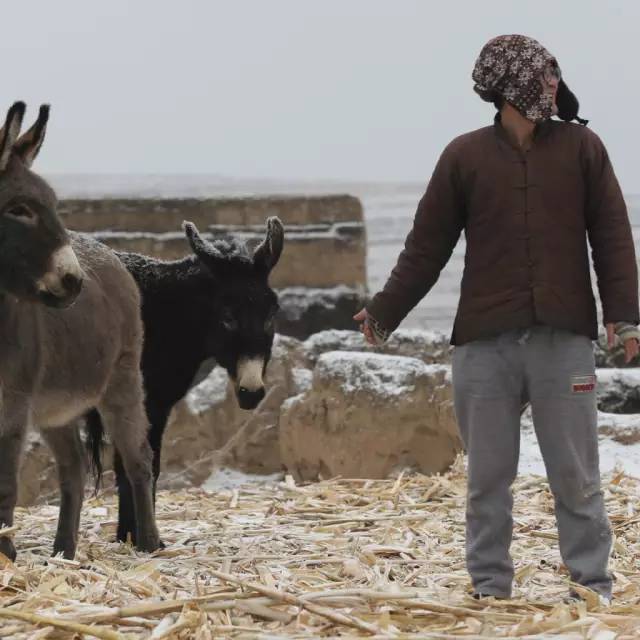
(338, 558)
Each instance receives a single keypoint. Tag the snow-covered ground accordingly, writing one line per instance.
(613, 455)
(228, 479)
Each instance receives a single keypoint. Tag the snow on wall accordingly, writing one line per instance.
(302, 379)
(335, 340)
(336, 231)
(610, 377)
(295, 301)
(208, 393)
(418, 340)
(383, 375)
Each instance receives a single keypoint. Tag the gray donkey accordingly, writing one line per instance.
(58, 360)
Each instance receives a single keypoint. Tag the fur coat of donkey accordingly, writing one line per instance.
(214, 304)
(70, 339)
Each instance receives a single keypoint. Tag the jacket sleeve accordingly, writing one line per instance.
(437, 225)
(610, 236)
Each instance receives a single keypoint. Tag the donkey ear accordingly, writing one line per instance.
(28, 145)
(205, 252)
(198, 245)
(267, 254)
(9, 133)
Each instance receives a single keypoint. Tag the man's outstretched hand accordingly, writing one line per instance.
(363, 320)
(631, 347)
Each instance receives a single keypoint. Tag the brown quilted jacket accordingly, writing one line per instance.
(526, 216)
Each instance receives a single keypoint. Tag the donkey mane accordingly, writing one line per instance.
(231, 248)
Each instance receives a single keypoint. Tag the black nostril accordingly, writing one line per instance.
(250, 399)
(71, 283)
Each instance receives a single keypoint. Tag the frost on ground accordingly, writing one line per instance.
(331, 559)
(614, 453)
(224, 479)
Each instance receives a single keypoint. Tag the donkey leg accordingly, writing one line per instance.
(12, 433)
(158, 416)
(124, 417)
(126, 507)
(68, 451)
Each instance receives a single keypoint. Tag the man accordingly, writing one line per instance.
(527, 192)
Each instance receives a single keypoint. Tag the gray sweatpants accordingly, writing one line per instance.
(555, 371)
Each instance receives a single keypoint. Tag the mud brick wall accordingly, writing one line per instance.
(322, 273)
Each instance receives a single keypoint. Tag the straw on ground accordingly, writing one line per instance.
(338, 558)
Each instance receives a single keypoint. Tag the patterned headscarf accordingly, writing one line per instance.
(511, 66)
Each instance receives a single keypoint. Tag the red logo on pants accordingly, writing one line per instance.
(583, 384)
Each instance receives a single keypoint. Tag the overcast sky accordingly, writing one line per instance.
(347, 89)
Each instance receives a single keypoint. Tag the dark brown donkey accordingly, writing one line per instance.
(57, 360)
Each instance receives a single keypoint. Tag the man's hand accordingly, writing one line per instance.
(362, 318)
(631, 347)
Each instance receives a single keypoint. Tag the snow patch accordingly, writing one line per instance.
(383, 375)
(613, 455)
(419, 336)
(619, 420)
(302, 379)
(208, 393)
(284, 345)
(227, 479)
(339, 231)
(627, 377)
(335, 340)
(412, 342)
(290, 402)
(336, 231)
(619, 390)
(295, 301)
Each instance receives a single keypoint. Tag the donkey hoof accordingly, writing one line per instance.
(126, 534)
(68, 551)
(8, 549)
(149, 543)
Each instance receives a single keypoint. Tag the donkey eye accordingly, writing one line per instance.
(229, 323)
(21, 212)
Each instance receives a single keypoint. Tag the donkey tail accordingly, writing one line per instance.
(94, 432)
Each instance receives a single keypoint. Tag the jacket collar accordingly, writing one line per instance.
(542, 130)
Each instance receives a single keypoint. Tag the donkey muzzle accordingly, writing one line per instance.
(250, 386)
(61, 285)
(248, 399)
